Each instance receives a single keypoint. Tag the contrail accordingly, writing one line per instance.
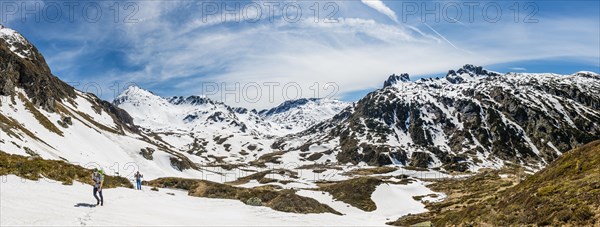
(420, 32)
(441, 36)
(384, 9)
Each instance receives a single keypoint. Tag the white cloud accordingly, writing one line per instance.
(518, 68)
(357, 53)
(354, 54)
(382, 8)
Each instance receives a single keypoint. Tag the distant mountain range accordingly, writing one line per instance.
(218, 132)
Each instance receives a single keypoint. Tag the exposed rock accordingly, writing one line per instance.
(393, 79)
(147, 153)
(31, 73)
(65, 122)
(420, 159)
(315, 156)
(251, 147)
(180, 163)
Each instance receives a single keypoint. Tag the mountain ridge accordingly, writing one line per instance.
(429, 120)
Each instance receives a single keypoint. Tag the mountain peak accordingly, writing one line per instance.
(135, 90)
(287, 105)
(295, 103)
(16, 42)
(587, 74)
(134, 93)
(193, 100)
(393, 79)
(299, 114)
(468, 72)
(22, 66)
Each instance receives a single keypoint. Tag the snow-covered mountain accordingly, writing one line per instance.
(218, 132)
(189, 114)
(210, 130)
(17, 44)
(469, 119)
(297, 115)
(42, 116)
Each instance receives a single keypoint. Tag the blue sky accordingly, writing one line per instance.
(188, 48)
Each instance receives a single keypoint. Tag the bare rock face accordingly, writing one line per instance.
(22, 66)
(65, 122)
(180, 163)
(147, 153)
(394, 79)
(473, 117)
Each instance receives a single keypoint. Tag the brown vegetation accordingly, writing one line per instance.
(34, 168)
(567, 192)
(356, 192)
(280, 200)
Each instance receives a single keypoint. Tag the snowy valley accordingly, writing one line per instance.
(303, 162)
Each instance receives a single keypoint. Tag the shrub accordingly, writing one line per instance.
(254, 201)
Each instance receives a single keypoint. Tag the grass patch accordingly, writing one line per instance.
(420, 197)
(8, 123)
(268, 158)
(566, 192)
(356, 192)
(255, 176)
(262, 178)
(320, 166)
(33, 168)
(280, 200)
(371, 171)
(88, 118)
(43, 120)
(414, 168)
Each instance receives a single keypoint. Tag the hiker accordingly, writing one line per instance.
(138, 180)
(98, 178)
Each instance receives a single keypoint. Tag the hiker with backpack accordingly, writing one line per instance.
(138, 180)
(98, 178)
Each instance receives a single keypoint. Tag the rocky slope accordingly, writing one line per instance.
(24, 67)
(469, 119)
(41, 116)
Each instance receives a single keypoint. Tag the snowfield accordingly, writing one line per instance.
(49, 203)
